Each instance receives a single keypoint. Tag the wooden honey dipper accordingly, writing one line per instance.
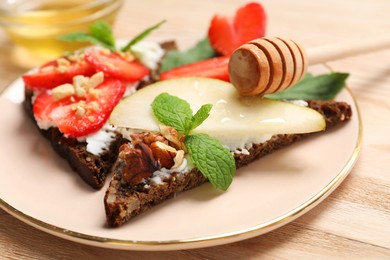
(272, 64)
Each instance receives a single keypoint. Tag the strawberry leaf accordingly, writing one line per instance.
(201, 51)
(322, 87)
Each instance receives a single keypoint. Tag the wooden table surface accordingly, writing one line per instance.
(354, 221)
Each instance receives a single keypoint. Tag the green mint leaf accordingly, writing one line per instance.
(212, 159)
(78, 37)
(142, 35)
(173, 111)
(106, 41)
(308, 75)
(322, 87)
(201, 115)
(201, 51)
(102, 31)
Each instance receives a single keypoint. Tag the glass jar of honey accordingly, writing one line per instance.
(34, 25)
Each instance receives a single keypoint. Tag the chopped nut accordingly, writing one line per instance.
(76, 57)
(80, 110)
(95, 80)
(165, 147)
(94, 105)
(63, 62)
(94, 93)
(47, 68)
(172, 135)
(79, 81)
(146, 138)
(126, 55)
(137, 164)
(105, 51)
(80, 92)
(178, 159)
(163, 154)
(62, 91)
(62, 69)
(82, 84)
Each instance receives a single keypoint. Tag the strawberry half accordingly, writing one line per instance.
(79, 116)
(226, 34)
(114, 65)
(52, 74)
(216, 68)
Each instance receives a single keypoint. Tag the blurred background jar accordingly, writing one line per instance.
(34, 25)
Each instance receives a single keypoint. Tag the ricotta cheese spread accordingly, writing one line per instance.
(99, 141)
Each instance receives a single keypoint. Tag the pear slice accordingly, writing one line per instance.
(236, 121)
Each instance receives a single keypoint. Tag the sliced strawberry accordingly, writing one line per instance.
(226, 34)
(52, 75)
(216, 68)
(222, 36)
(249, 22)
(79, 116)
(44, 104)
(113, 65)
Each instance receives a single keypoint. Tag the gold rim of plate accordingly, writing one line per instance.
(197, 242)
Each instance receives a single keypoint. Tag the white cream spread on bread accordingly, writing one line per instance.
(159, 176)
(100, 141)
(149, 53)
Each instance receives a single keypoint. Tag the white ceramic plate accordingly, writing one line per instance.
(40, 189)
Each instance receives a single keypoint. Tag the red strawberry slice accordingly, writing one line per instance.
(79, 116)
(114, 65)
(52, 75)
(216, 68)
(226, 34)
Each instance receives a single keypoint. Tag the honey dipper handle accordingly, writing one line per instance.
(342, 50)
(272, 64)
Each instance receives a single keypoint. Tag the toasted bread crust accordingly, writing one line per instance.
(93, 169)
(123, 202)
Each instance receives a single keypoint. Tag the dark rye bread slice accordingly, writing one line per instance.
(122, 202)
(93, 169)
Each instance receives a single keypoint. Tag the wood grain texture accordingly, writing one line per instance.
(354, 221)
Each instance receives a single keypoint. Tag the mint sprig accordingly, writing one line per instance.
(84, 37)
(101, 34)
(172, 111)
(201, 115)
(142, 35)
(212, 159)
(102, 31)
(322, 87)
